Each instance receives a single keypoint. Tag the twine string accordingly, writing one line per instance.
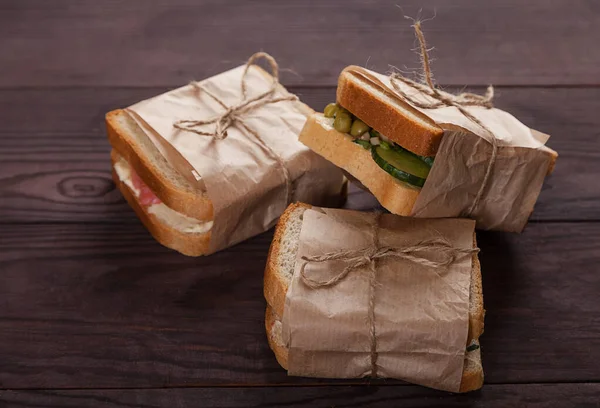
(235, 115)
(442, 98)
(359, 258)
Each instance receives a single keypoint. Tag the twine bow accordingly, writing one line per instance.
(358, 258)
(235, 115)
(442, 98)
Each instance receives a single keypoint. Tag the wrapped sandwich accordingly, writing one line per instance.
(352, 294)
(215, 162)
(428, 153)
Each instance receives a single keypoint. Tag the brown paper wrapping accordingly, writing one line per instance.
(457, 173)
(516, 177)
(245, 184)
(421, 313)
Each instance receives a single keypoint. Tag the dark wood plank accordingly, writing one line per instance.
(105, 306)
(500, 396)
(54, 161)
(169, 42)
(81, 110)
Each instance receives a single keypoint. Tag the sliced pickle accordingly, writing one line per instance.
(402, 164)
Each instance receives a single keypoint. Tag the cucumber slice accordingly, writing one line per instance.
(402, 164)
(426, 159)
(406, 161)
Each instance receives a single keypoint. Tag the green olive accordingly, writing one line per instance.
(342, 122)
(359, 128)
(330, 110)
(343, 110)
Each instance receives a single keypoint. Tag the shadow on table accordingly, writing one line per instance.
(499, 275)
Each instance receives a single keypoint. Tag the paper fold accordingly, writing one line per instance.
(421, 314)
(245, 183)
(461, 162)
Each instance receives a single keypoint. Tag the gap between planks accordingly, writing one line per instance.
(288, 385)
(290, 87)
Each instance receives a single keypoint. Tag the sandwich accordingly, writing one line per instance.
(278, 275)
(199, 191)
(380, 140)
(177, 212)
(390, 146)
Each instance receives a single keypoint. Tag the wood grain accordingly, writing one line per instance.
(492, 396)
(101, 305)
(93, 312)
(167, 42)
(56, 166)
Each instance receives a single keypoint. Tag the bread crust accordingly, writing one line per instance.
(191, 244)
(389, 120)
(279, 349)
(553, 157)
(193, 203)
(397, 197)
(477, 317)
(472, 379)
(275, 288)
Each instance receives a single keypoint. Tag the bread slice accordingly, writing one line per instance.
(385, 112)
(280, 268)
(320, 136)
(148, 162)
(171, 230)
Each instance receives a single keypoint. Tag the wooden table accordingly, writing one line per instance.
(93, 312)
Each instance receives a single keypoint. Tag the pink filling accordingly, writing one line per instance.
(146, 196)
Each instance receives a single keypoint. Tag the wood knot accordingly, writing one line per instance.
(85, 186)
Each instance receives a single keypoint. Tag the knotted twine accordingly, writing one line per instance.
(235, 115)
(358, 258)
(442, 98)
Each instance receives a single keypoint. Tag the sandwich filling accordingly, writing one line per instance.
(153, 205)
(391, 157)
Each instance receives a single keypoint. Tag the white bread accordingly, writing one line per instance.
(172, 229)
(385, 112)
(279, 271)
(320, 136)
(139, 151)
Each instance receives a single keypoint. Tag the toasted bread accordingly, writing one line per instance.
(394, 195)
(388, 114)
